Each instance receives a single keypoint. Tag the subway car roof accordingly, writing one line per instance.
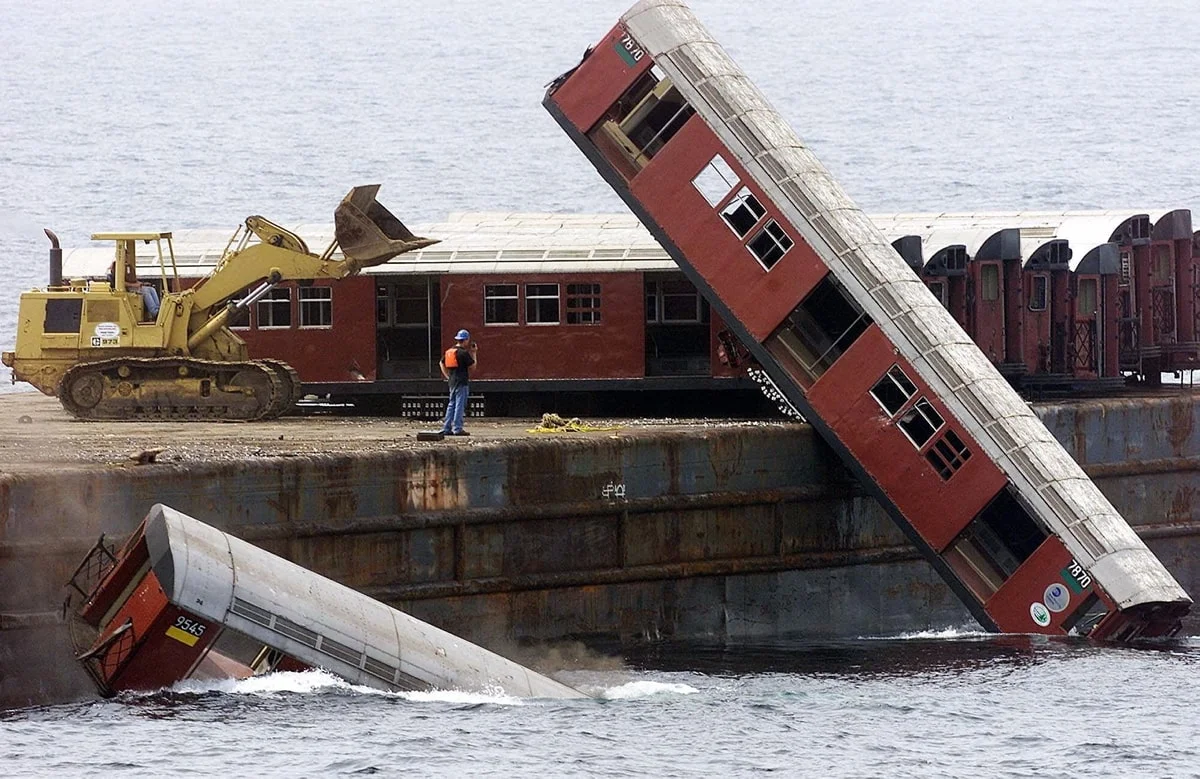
(518, 242)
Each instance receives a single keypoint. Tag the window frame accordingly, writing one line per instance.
(1093, 285)
(986, 269)
(300, 307)
(920, 408)
(712, 172)
(742, 199)
(938, 288)
(766, 231)
(697, 309)
(591, 311)
(273, 300)
(530, 298)
(516, 296)
(1040, 284)
(896, 383)
(948, 454)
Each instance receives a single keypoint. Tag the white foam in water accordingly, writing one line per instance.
(949, 634)
(269, 684)
(316, 681)
(459, 696)
(645, 690)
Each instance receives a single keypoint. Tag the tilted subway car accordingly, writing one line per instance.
(853, 338)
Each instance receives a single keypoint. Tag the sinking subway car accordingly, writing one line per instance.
(183, 600)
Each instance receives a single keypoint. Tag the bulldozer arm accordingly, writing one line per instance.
(368, 233)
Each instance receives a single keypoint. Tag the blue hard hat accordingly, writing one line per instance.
(462, 335)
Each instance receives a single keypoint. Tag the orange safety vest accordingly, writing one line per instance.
(450, 358)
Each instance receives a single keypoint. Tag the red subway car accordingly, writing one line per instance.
(573, 313)
(852, 337)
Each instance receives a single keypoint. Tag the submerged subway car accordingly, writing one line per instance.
(853, 338)
(183, 600)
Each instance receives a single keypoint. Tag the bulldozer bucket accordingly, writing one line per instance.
(368, 233)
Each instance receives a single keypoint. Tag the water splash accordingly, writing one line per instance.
(938, 634)
(645, 689)
(317, 681)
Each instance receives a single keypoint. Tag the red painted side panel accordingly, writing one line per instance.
(758, 299)
(615, 348)
(344, 352)
(600, 80)
(938, 509)
(153, 658)
(1142, 284)
(1187, 268)
(1010, 605)
(1010, 278)
(987, 317)
(1110, 315)
(1036, 349)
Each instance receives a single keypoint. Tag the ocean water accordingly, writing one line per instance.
(150, 115)
(955, 705)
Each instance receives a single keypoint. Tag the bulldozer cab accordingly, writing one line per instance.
(368, 233)
(123, 274)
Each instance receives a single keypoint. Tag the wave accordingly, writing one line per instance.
(645, 689)
(937, 634)
(318, 681)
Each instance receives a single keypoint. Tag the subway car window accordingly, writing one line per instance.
(821, 328)
(893, 391)
(921, 422)
(275, 309)
(1037, 299)
(743, 212)
(715, 181)
(316, 306)
(1086, 304)
(948, 454)
(770, 244)
(500, 304)
(583, 304)
(989, 281)
(541, 304)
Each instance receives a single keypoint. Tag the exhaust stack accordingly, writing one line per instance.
(56, 275)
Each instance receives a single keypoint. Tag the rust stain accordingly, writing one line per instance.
(1182, 424)
(1080, 437)
(725, 453)
(1181, 505)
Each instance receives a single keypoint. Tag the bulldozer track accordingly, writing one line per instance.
(291, 379)
(179, 388)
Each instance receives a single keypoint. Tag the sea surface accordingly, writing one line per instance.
(154, 115)
(956, 704)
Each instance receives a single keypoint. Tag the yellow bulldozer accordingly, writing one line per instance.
(95, 346)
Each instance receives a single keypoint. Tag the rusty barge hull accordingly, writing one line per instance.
(723, 533)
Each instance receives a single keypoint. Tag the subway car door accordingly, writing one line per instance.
(407, 326)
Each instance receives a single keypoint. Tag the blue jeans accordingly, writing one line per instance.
(150, 300)
(456, 409)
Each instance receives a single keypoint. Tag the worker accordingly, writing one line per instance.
(148, 292)
(456, 365)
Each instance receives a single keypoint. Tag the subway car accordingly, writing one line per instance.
(853, 338)
(1064, 301)
(573, 313)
